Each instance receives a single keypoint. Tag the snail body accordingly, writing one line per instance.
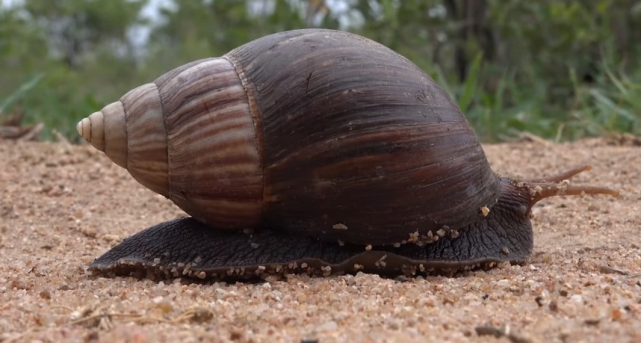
(311, 147)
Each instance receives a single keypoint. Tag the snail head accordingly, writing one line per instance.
(531, 191)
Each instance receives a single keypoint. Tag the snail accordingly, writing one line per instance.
(314, 151)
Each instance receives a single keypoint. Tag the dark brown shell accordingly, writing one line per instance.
(314, 132)
(357, 142)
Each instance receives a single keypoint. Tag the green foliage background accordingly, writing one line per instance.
(558, 69)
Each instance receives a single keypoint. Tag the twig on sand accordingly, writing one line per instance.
(514, 337)
(96, 316)
(524, 136)
(60, 137)
(610, 270)
(528, 136)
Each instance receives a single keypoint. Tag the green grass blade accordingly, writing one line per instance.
(20, 92)
(470, 83)
(616, 81)
(609, 105)
(440, 78)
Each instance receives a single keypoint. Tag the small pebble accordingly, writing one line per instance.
(328, 326)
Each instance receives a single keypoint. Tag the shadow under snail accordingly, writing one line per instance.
(313, 151)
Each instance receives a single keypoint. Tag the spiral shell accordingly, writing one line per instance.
(188, 136)
(314, 132)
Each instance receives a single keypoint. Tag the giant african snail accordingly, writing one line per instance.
(312, 150)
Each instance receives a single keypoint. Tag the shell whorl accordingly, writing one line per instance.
(110, 121)
(131, 132)
(189, 136)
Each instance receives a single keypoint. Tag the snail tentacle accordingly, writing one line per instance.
(566, 175)
(559, 185)
(548, 189)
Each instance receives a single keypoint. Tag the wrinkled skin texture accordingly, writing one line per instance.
(164, 250)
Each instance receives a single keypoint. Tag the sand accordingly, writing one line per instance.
(61, 206)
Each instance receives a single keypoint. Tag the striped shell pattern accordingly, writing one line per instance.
(308, 131)
(190, 130)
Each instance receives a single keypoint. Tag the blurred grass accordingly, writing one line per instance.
(43, 102)
(612, 105)
(19, 94)
(558, 70)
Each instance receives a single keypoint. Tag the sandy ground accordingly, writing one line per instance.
(61, 206)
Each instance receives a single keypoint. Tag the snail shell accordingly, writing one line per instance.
(322, 142)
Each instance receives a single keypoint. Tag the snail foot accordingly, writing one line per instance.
(186, 248)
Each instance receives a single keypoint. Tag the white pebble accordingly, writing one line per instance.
(328, 326)
(503, 283)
